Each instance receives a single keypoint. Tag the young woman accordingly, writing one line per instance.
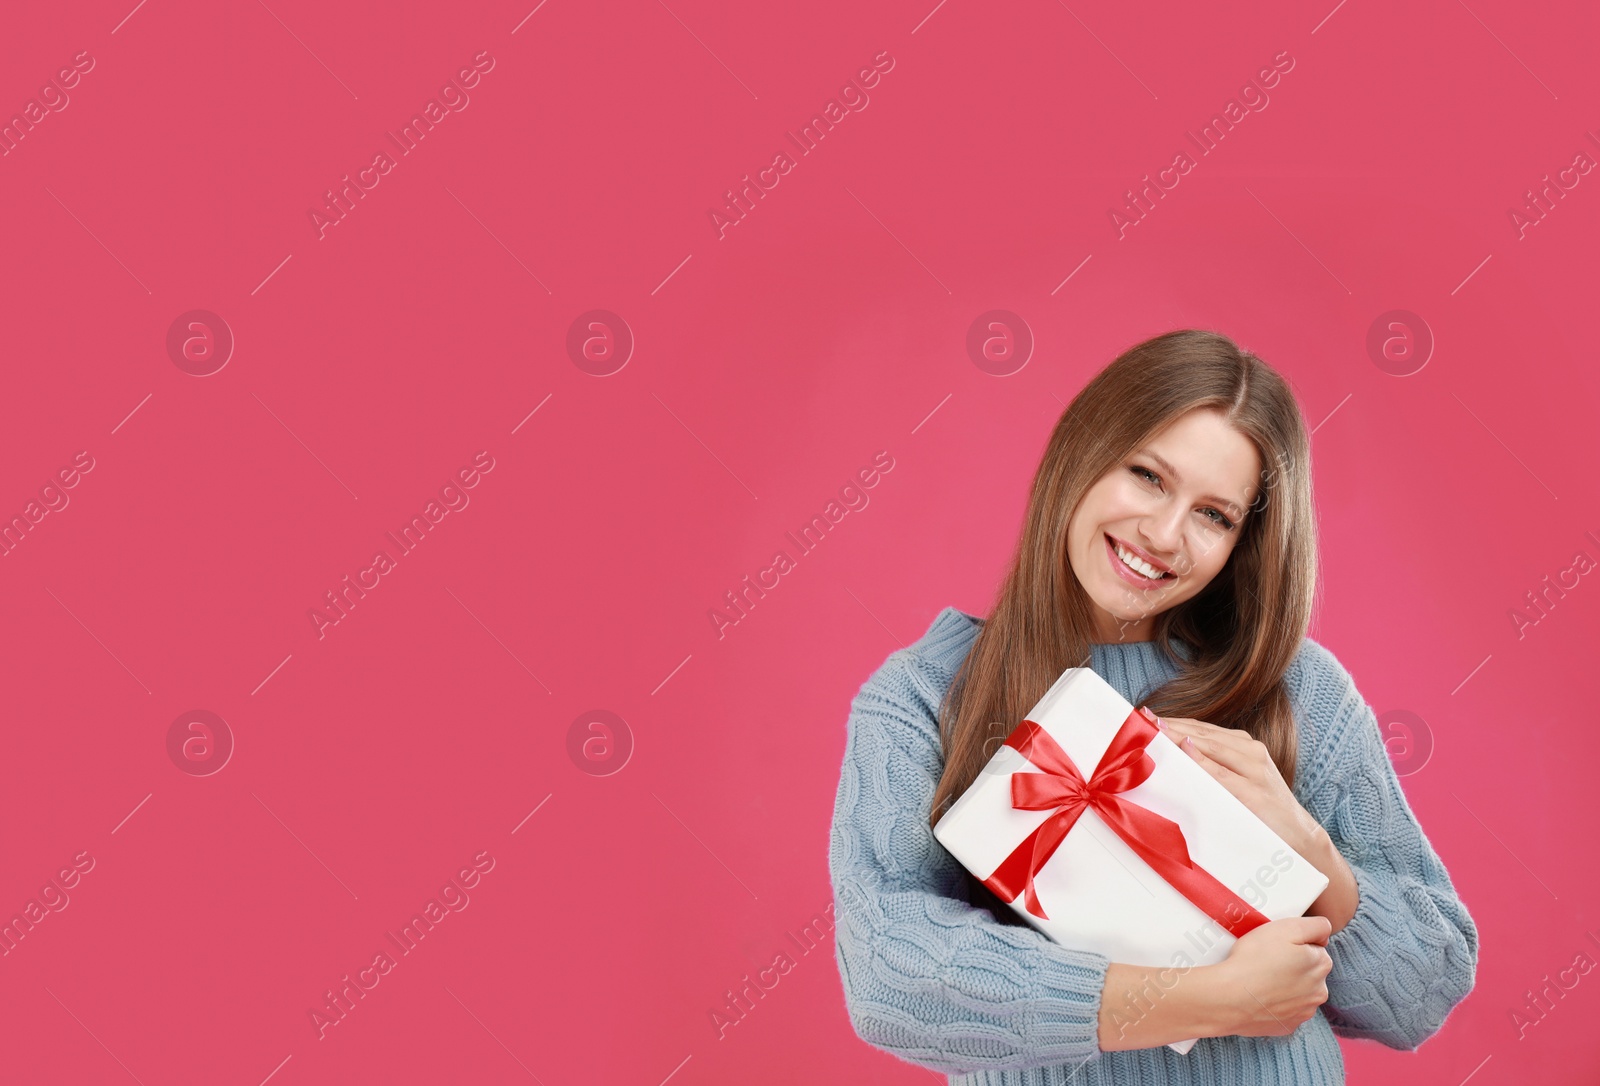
(1169, 544)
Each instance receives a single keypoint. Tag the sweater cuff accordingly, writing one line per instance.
(1362, 947)
(1068, 981)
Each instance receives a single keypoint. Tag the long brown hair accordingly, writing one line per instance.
(1243, 628)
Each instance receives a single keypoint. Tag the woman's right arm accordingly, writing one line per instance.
(1144, 1006)
(1272, 982)
(941, 983)
(933, 979)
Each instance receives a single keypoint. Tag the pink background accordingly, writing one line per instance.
(431, 724)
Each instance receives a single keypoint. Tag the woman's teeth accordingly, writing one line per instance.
(1137, 564)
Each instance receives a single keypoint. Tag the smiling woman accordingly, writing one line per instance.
(1159, 457)
(1159, 551)
(1150, 536)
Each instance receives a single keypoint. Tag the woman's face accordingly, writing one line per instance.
(1178, 503)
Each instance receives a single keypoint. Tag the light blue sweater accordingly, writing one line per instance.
(941, 983)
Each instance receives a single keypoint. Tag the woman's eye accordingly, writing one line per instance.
(1220, 519)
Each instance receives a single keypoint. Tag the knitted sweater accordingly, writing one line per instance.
(940, 982)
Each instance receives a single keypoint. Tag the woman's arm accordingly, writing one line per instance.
(927, 976)
(930, 977)
(1144, 1006)
(1338, 902)
(1409, 953)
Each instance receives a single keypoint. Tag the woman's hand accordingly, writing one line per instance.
(1275, 976)
(1242, 765)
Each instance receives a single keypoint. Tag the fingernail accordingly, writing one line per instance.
(1162, 724)
(1188, 742)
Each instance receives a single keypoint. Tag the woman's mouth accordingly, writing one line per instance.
(1131, 568)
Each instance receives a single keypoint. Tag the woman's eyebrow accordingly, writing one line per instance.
(1176, 477)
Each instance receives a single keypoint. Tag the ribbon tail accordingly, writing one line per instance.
(1159, 842)
(1014, 876)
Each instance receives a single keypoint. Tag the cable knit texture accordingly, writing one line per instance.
(942, 983)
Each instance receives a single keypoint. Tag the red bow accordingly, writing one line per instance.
(1158, 841)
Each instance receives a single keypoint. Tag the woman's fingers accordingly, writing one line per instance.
(1190, 726)
(1233, 748)
(1202, 752)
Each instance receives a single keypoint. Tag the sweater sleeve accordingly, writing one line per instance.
(928, 976)
(1410, 952)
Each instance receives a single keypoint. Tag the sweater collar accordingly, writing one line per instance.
(1133, 668)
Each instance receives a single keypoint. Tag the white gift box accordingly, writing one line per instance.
(1097, 892)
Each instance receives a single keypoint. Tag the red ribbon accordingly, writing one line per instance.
(1158, 841)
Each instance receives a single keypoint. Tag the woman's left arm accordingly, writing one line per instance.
(1404, 948)
(1409, 953)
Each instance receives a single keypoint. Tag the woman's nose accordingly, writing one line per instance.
(1163, 533)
